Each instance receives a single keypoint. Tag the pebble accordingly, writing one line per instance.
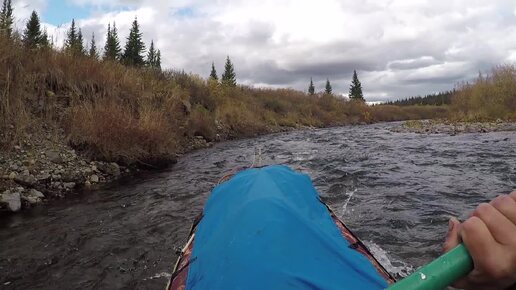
(69, 185)
(94, 178)
(33, 196)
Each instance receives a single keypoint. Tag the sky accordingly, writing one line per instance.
(399, 48)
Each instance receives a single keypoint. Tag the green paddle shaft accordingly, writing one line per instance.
(440, 273)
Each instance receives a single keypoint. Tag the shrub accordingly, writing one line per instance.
(487, 98)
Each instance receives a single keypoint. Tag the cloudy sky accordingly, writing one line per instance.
(398, 47)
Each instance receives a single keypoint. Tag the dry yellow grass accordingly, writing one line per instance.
(131, 115)
(487, 98)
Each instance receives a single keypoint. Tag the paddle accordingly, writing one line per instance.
(440, 273)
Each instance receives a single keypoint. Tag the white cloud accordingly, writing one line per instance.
(398, 47)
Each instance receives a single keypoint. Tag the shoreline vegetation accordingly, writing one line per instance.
(69, 120)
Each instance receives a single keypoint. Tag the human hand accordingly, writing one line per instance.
(489, 234)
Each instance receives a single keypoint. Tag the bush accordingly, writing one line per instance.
(202, 123)
(487, 98)
(113, 132)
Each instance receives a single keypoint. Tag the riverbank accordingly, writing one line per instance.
(43, 166)
(452, 128)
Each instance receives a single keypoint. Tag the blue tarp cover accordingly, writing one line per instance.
(266, 229)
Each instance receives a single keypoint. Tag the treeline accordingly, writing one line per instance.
(438, 99)
(133, 54)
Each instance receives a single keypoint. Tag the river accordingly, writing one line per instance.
(396, 191)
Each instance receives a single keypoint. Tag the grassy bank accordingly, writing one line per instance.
(116, 113)
(487, 98)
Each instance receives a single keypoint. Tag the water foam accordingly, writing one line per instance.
(396, 267)
(350, 195)
(159, 275)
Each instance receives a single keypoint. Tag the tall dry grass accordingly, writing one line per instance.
(487, 98)
(131, 115)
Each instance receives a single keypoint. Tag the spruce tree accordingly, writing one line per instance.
(93, 53)
(32, 33)
(355, 90)
(213, 74)
(44, 42)
(73, 44)
(134, 47)
(6, 18)
(79, 44)
(112, 50)
(151, 55)
(157, 64)
(71, 36)
(311, 88)
(328, 89)
(229, 77)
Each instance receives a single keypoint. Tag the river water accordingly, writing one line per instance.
(396, 191)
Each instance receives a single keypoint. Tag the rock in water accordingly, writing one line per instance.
(33, 196)
(109, 168)
(11, 200)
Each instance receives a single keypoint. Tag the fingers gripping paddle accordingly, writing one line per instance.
(440, 273)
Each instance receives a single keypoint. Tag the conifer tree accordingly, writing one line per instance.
(154, 57)
(6, 18)
(93, 53)
(311, 88)
(32, 33)
(74, 41)
(44, 42)
(112, 50)
(355, 90)
(79, 44)
(213, 74)
(71, 36)
(157, 64)
(229, 76)
(134, 47)
(328, 89)
(151, 55)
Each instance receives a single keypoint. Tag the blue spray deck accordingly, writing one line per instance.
(266, 229)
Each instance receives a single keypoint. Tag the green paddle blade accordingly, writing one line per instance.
(440, 273)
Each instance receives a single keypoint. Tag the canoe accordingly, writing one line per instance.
(267, 228)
